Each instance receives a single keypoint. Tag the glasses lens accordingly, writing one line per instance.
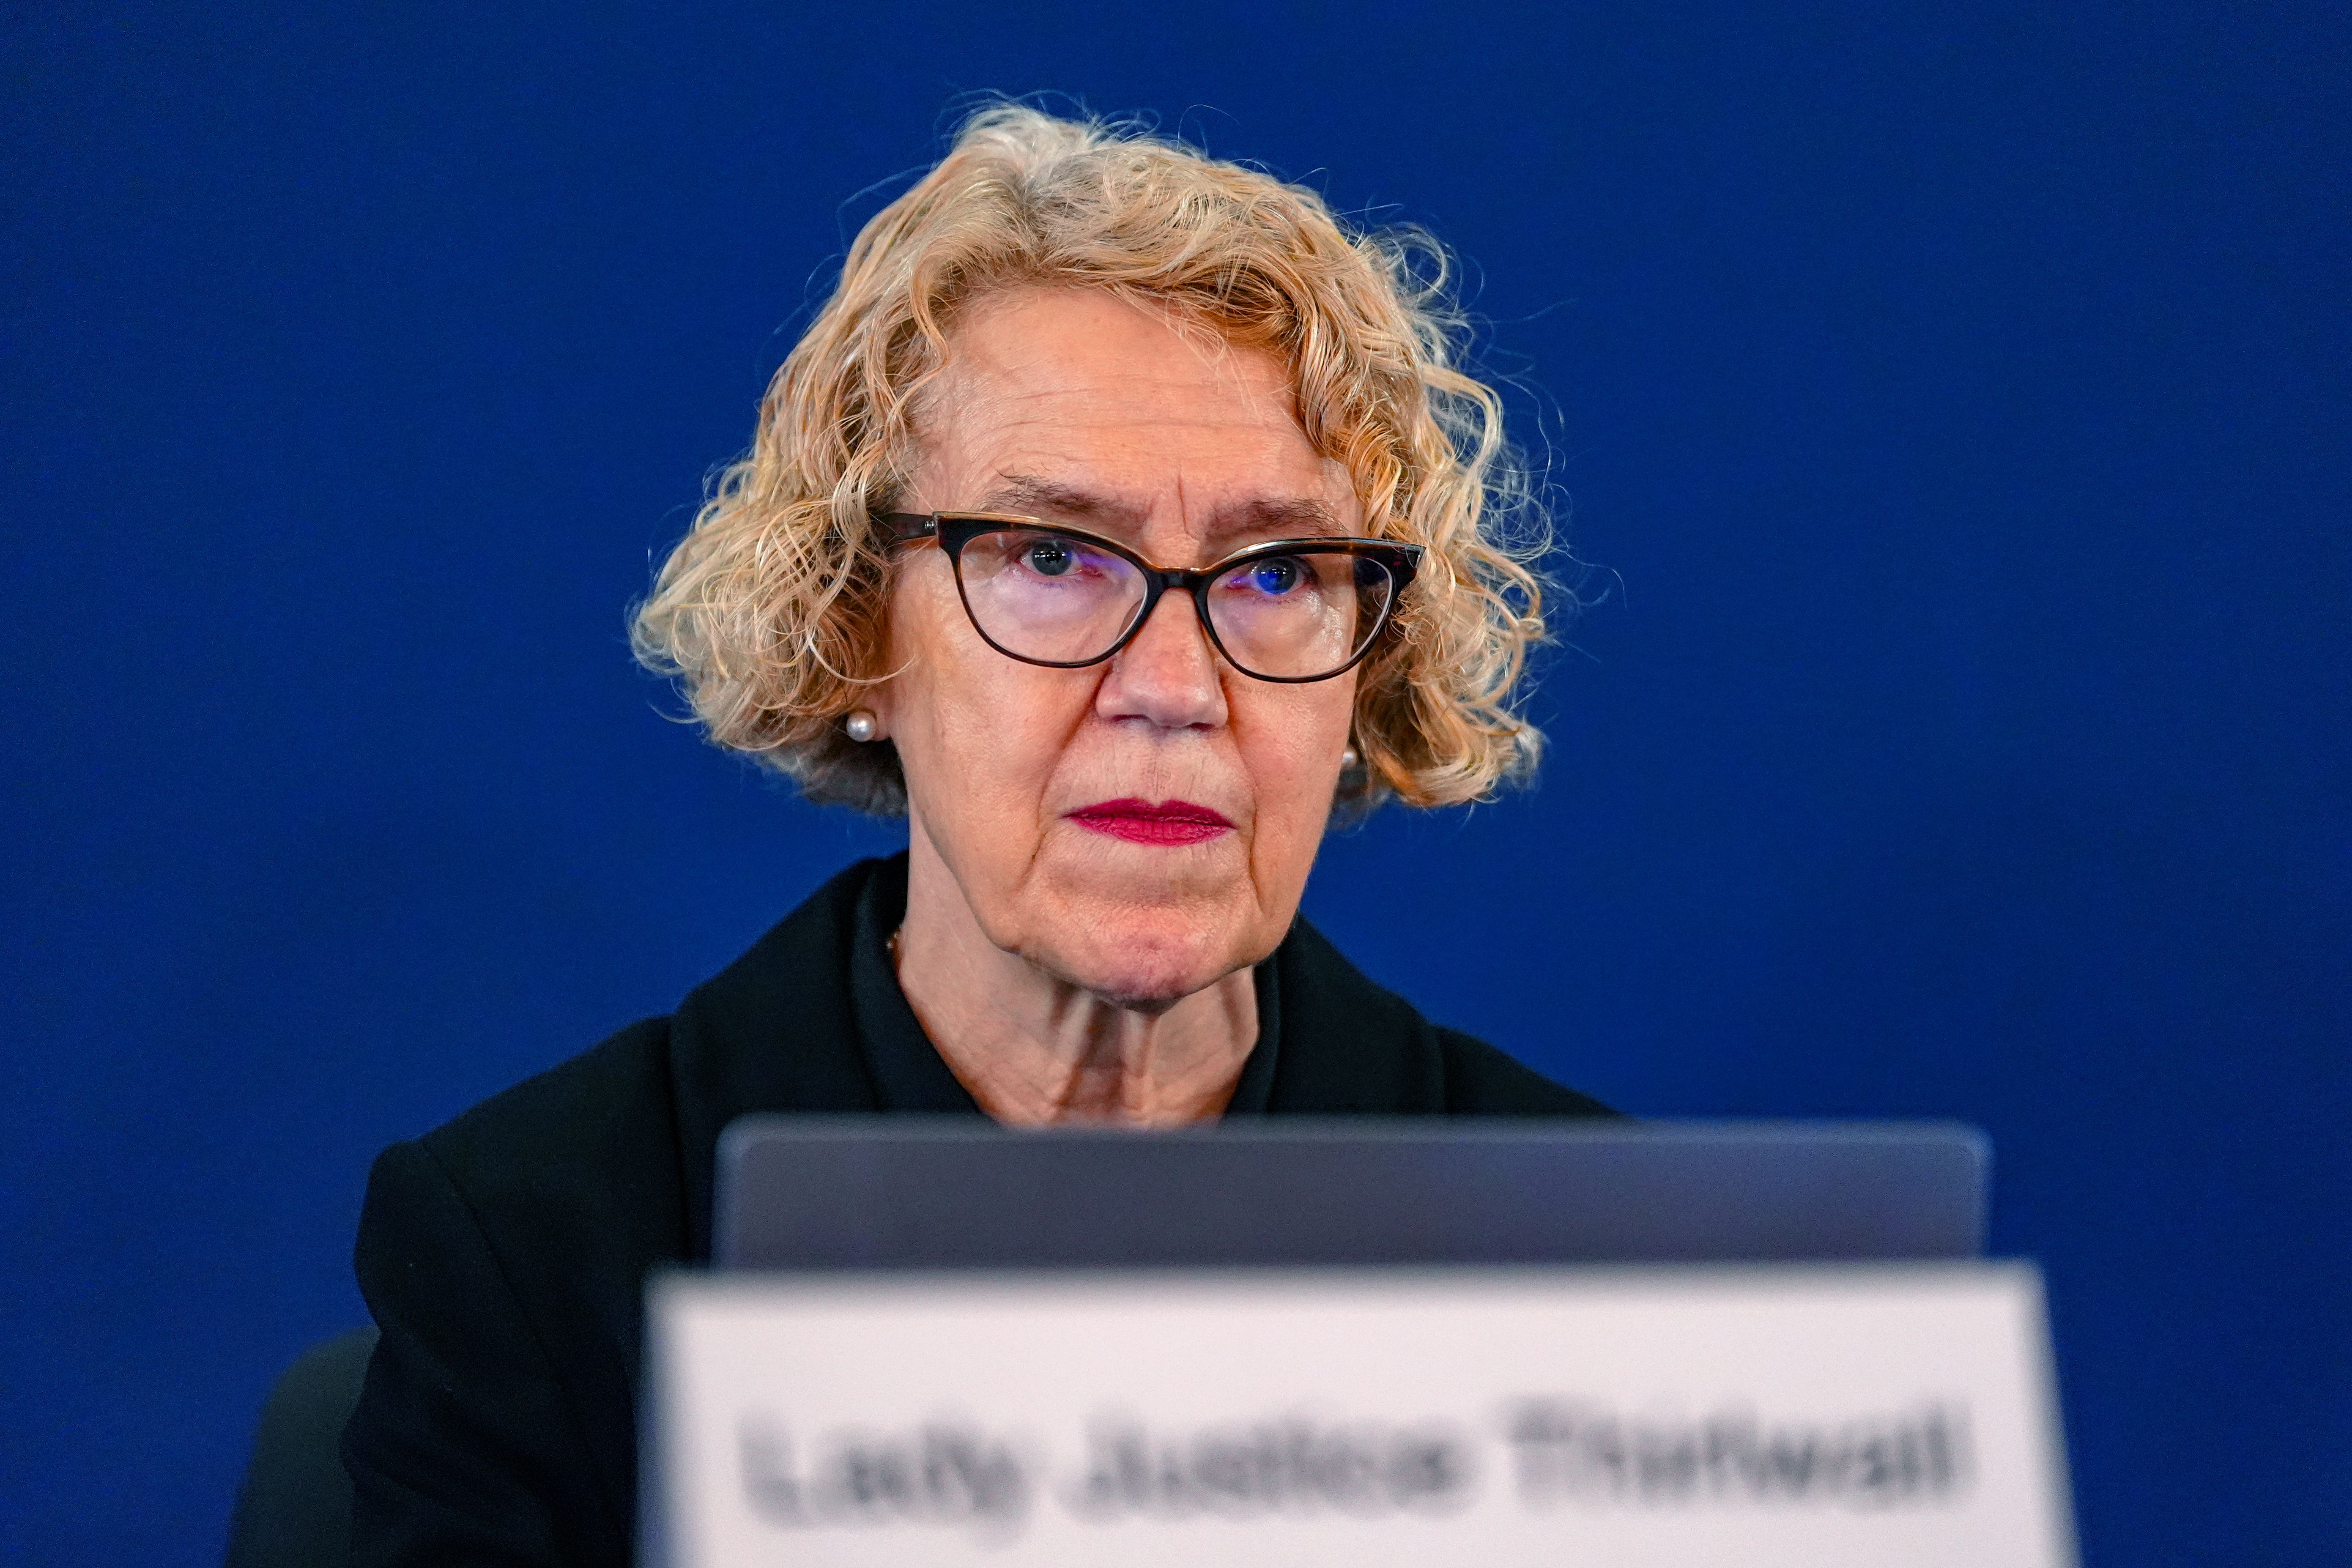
(1047, 597)
(1294, 617)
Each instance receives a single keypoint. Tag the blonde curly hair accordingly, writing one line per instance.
(770, 614)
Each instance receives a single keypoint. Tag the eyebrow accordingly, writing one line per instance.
(1030, 495)
(1286, 517)
(1281, 517)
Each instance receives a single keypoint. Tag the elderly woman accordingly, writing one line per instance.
(1119, 518)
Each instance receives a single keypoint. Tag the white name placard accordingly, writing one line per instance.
(1819, 1416)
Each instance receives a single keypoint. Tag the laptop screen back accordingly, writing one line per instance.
(867, 1192)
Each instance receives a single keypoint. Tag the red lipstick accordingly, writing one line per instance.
(1141, 822)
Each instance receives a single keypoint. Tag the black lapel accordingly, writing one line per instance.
(772, 1031)
(1348, 1046)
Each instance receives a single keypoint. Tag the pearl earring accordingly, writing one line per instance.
(1350, 760)
(861, 725)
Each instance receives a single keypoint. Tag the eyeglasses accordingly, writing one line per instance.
(1289, 610)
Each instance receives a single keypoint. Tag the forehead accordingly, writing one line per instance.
(1074, 399)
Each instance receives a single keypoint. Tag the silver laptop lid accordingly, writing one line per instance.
(918, 1192)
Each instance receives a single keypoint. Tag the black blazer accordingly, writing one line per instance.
(504, 1254)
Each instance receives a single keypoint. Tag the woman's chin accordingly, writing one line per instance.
(1141, 927)
(1146, 961)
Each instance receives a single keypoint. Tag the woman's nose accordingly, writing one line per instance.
(1168, 674)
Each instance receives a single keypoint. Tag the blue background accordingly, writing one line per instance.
(1955, 395)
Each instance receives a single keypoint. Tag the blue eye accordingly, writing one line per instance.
(1276, 578)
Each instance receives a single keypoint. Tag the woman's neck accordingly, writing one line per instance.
(1034, 1049)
